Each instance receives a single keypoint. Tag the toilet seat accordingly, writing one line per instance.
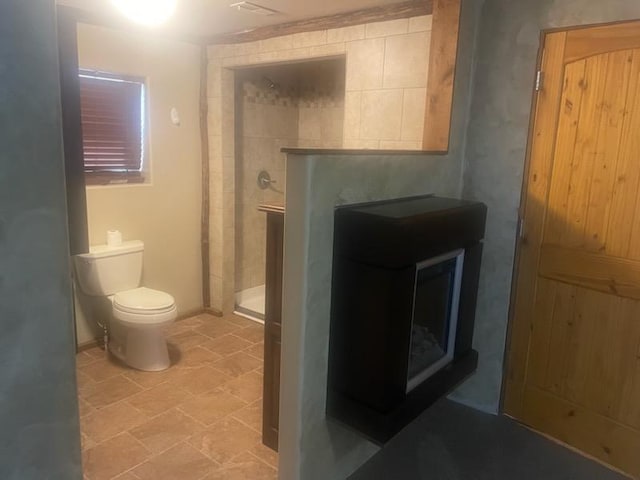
(143, 306)
(143, 300)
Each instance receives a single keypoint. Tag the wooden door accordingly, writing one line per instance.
(574, 352)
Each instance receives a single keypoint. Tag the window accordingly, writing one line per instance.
(113, 127)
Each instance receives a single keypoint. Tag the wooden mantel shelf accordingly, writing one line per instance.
(351, 151)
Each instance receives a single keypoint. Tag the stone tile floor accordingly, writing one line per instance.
(199, 420)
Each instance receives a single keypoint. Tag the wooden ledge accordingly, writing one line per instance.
(271, 208)
(349, 151)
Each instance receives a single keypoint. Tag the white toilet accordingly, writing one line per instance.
(140, 315)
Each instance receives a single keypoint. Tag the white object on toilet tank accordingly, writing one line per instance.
(175, 116)
(106, 269)
(114, 238)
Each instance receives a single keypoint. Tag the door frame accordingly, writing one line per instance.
(515, 327)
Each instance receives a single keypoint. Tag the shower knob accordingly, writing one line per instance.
(264, 180)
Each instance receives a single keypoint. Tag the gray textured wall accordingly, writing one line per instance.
(39, 434)
(495, 152)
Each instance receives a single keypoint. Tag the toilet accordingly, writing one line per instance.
(139, 314)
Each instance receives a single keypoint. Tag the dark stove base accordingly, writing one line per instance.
(380, 428)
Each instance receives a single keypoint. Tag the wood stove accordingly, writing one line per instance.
(405, 278)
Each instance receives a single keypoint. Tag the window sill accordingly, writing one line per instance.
(93, 179)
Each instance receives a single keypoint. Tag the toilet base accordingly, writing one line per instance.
(142, 349)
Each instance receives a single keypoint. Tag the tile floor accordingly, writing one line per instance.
(199, 420)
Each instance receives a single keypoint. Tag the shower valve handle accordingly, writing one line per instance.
(264, 180)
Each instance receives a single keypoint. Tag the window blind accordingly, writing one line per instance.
(112, 125)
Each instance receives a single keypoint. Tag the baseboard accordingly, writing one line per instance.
(213, 311)
(88, 345)
(191, 313)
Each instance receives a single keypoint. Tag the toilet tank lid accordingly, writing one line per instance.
(99, 251)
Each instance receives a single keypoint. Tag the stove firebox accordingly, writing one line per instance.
(405, 279)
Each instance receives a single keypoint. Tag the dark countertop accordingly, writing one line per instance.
(271, 208)
(350, 151)
(452, 442)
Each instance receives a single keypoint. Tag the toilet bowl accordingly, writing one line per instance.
(139, 318)
(139, 314)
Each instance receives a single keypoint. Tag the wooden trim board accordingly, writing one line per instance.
(442, 66)
(205, 209)
(395, 11)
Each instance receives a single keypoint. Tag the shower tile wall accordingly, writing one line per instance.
(386, 79)
(269, 121)
(321, 105)
(289, 106)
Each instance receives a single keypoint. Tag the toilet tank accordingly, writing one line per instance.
(107, 269)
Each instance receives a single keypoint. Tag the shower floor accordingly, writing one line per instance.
(250, 303)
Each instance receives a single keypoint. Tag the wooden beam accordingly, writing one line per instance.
(442, 67)
(204, 146)
(412, 8)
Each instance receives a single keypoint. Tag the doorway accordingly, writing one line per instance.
(574, 347)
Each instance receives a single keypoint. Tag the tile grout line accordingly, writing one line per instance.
(261, 460)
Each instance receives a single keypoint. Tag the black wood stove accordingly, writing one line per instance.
(405, 279)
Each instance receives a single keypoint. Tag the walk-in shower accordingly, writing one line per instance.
(288, 105)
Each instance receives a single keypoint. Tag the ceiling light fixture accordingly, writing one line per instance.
(253, 8)
(146, 12)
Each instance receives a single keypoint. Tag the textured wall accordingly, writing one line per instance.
(310, 446)
(315, 185)
(40, 435)
(495, 153)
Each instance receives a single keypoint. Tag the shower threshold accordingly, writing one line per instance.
(250, 303)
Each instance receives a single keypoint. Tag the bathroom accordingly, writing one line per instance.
(199, 203)
(213, 386)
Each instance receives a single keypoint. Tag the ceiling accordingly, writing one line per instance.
(214, 17)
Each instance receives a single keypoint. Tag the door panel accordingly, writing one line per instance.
(623, 211)
(574, 354)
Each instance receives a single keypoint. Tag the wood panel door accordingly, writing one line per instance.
(574, 351)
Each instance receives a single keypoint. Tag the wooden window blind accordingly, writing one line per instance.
(112, 109)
